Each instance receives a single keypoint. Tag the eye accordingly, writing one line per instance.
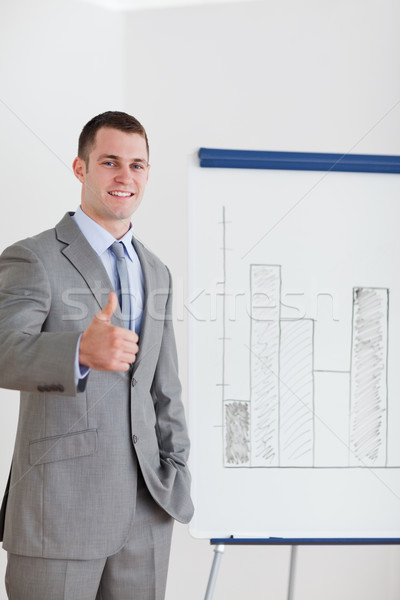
(109, 163)
(137, 167)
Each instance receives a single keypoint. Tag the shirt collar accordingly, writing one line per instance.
(98, 237)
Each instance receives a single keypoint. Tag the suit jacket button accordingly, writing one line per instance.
(134, 439)
(133, 382)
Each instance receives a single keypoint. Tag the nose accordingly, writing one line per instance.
(124, 174)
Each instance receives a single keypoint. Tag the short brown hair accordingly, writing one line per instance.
(113, 119)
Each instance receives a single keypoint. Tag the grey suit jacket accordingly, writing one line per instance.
(73, 479)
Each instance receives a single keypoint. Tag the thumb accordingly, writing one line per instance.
(109, 309)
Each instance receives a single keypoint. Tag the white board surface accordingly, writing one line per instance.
(294, 324)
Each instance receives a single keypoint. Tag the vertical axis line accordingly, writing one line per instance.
(223, 332)
(223, 304)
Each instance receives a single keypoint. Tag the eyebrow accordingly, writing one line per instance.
(115, 157)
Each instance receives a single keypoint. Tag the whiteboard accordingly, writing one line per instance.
(294, 344)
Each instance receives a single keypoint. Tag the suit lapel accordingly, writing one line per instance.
(152, 327)
(85, 260)
(149, 285)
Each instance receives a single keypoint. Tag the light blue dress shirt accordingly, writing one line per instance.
(101, 240)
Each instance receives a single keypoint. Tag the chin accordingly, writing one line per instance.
(122, 213)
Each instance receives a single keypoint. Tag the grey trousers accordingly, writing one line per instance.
(137, 572)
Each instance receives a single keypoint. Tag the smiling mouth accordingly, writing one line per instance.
(121, 194)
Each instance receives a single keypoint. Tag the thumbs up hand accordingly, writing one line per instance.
(105, 347)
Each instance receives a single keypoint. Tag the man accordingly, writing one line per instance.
(99, 467)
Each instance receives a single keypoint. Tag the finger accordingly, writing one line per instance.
(109, 309)
(127, 336)
(128, 352)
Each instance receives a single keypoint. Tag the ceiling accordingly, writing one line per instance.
(117, 5)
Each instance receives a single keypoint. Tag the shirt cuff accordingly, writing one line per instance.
(80, 371)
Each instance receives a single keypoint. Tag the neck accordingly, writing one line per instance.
(117, 227)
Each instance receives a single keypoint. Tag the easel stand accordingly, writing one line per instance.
(218, 551)
(220, 544)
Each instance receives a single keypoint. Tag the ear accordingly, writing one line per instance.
(79, 169)
(148, 173)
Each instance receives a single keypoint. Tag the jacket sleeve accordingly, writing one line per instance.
(31, 358)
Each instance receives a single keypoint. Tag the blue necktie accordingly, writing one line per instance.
(123, 289)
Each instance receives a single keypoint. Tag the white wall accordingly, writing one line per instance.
(316, 76)
(308, 76)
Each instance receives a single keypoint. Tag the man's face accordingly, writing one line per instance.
(114, 180)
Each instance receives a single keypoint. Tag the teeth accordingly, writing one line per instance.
(121, 194)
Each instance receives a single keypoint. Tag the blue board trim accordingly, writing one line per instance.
(298, 161)
(276, 541)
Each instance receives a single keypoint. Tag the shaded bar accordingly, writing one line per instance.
(296, 394)
(368, 391)
(264, 364)
(237, 433)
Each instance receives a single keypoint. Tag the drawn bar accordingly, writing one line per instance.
(237, 433)
(296, 427)
(264, 364)
(298, 161)
(368, 391)
(331, 427)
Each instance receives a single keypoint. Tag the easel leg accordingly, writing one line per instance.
(292, 572)
(218, 551)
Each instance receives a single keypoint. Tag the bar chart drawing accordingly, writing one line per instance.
(284, 423)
